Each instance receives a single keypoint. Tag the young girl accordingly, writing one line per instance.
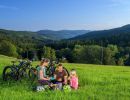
(73, 79)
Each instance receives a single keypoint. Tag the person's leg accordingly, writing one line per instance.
(59, 85)
(45, 82)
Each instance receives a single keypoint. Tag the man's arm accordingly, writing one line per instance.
(65, 77)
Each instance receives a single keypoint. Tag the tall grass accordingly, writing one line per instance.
(96, 83)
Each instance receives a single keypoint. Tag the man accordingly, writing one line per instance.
(60, 75)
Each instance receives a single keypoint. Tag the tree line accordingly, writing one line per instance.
(89, 54)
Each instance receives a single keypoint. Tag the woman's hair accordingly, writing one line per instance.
(44, 60)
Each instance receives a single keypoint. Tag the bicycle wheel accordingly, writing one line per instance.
(23, 73)
(9, 73)
(68, 74)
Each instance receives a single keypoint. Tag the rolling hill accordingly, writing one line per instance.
(62, 34)
(21, 34)
(121, 31)
(43, 34)
(23, 39)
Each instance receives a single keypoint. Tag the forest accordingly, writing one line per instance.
(107, 50)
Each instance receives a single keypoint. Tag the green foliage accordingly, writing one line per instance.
(120, 62)
(113, 49)
(7, 48)
(77, 52)
(108, 58)
(109, 55)
(53, 54)
(65, 54)
(49, 53)
(94, 54)
(88, 54)
(91, 54)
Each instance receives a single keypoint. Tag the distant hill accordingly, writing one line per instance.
(20, 34)
(23, 38)
(117, 32)
(62, 34)
(43, 34)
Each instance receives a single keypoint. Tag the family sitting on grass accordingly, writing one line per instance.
(59, 77)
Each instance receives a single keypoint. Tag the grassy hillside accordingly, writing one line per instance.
(4, 60)
(96, 83)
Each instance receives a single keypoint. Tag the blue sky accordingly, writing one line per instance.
(63, 14)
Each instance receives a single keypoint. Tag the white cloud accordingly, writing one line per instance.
(8, 7)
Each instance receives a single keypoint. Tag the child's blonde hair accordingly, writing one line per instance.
(73, 72)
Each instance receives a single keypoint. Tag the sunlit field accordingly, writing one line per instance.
(96, 83)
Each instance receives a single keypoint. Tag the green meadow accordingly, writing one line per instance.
(96, 83)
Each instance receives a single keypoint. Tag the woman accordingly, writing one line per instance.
(42, 76)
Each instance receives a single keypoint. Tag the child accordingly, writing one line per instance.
(73, 79)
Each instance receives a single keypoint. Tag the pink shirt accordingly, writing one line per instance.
(74, 82)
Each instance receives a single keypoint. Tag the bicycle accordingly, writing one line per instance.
(17, 72)
(11, 72)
